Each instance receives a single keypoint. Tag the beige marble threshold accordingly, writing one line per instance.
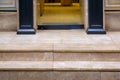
(44, 47)
(61, 65)
(63, 48)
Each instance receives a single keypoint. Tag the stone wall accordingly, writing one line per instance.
(112, 21)
(112, 15)
(8, 18)
(8, 21)
(58, 75)
(8, 4)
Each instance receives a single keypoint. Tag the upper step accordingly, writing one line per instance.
(60, 61)
(60, 65)
(58, 47)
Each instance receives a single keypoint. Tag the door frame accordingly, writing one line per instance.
(94, 20)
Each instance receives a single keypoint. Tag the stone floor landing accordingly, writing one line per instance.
(59, 50)
(60, 41)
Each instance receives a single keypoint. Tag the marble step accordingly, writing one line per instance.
(52, 56)
(60, 65)
(58, 47)
(63, 41)
(60, 61)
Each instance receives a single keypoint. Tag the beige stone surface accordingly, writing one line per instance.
(61, 65)
(26, 75)
(8, 21)
(86, 65)
(87, 57)
(43, 51)
(105, 57)
(72, 57)
(76, 47)
(112, 4)
(86, 15)
(110, 76)
(115, 39)
(27, 56)
(58, 75)
(26, 65)
(31, 47)
(60, 41)
(112, 20)
(49, 75)
(76, 75)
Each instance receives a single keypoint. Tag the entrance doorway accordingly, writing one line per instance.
(60, 14)
(93, 17)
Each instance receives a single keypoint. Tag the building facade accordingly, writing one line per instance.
(99, 16)
(56, 54)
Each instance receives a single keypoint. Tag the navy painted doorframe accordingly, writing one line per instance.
(26, 25)
(95, 18)
(95, 10)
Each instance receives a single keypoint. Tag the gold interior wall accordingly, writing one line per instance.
(111, 18)
(78, 18)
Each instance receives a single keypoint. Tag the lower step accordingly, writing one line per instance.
(60, 65)
(58, 75)
(59, 61)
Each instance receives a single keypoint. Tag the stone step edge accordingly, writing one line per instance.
(60, 65)
(63, 51)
